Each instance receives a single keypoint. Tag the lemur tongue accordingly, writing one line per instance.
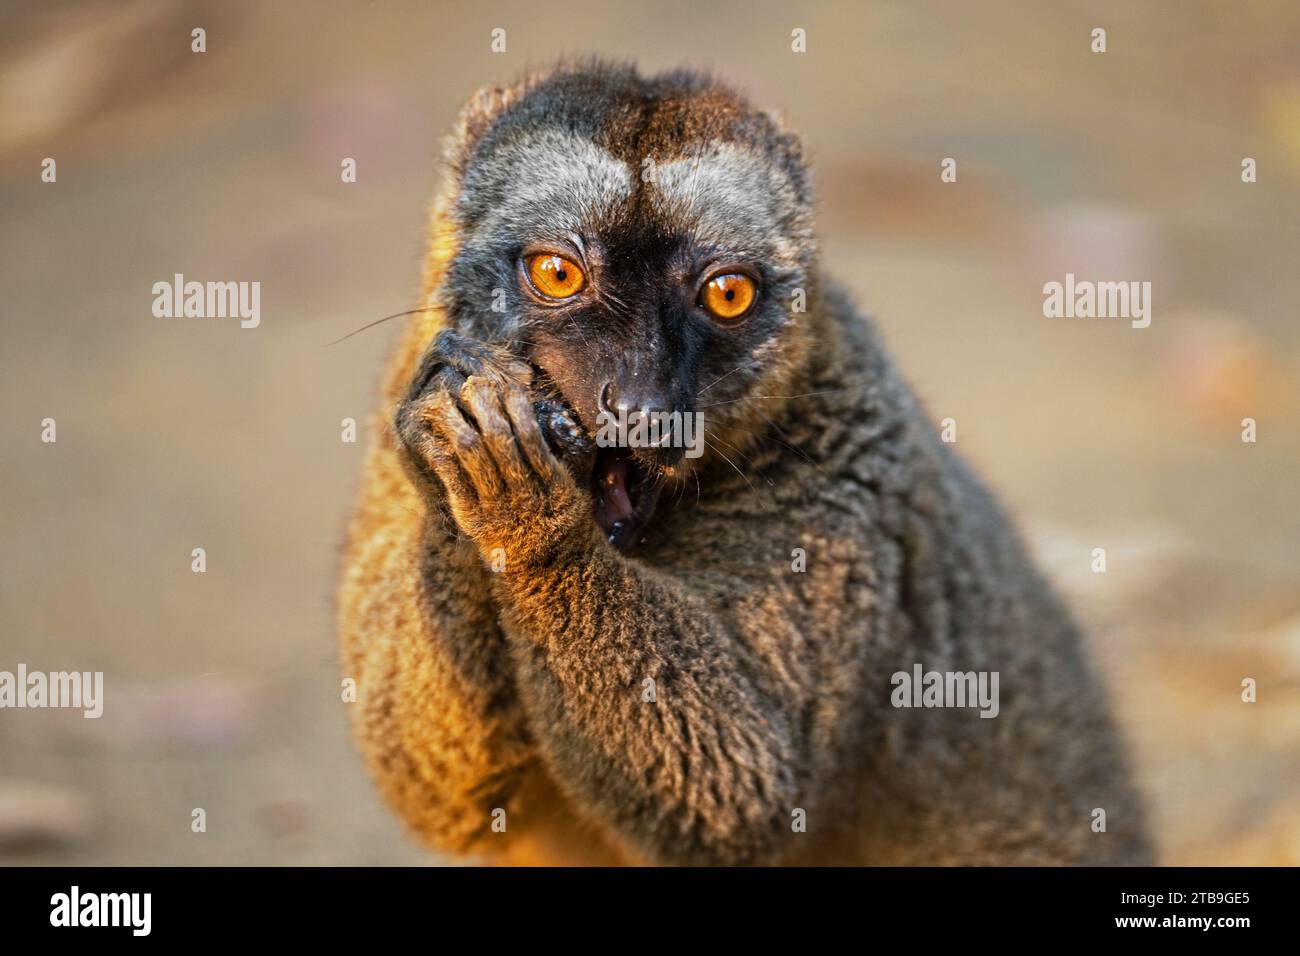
(612, 504)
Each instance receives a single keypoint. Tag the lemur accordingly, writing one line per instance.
(626, 655)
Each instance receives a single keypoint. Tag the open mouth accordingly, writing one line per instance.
(623, 494)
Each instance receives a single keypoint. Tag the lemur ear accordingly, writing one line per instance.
(474, 119)
(478, 114)
(792, 153)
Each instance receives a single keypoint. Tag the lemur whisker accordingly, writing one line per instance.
(609, 295)
(793, 447)
(574, 322)
(742, 454)
(729, 462)
(371, 325)
(681, 487)
(717, 380)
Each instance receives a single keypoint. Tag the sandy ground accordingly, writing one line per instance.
(224, 688)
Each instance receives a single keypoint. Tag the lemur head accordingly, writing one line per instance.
(646, 242)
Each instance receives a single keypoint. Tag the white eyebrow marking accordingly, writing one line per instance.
(553, 180)
(732, 197)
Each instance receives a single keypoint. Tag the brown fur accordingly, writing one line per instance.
(522, 690)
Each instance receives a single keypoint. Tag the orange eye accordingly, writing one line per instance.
(555, 276)
(729, 297)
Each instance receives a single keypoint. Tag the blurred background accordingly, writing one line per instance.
(223, 688)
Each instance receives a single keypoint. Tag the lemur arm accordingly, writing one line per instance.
(707, 768)
(712, 771)
(436, 710)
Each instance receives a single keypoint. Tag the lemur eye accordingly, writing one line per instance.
(728, 297)
(555, 276)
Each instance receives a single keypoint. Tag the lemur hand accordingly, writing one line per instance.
(468, 422)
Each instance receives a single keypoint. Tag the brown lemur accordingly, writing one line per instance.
(643, 657)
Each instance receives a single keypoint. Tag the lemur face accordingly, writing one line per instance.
(643, 242)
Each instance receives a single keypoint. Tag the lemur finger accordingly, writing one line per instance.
(528, 433)
(427, 458)
(474, 357)
(411, 420)
(412, 431)
(484, 400)
(432, 362)
(448, 470)
(449, 351)
(470, 356)
(429, 452)
(463, 441)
